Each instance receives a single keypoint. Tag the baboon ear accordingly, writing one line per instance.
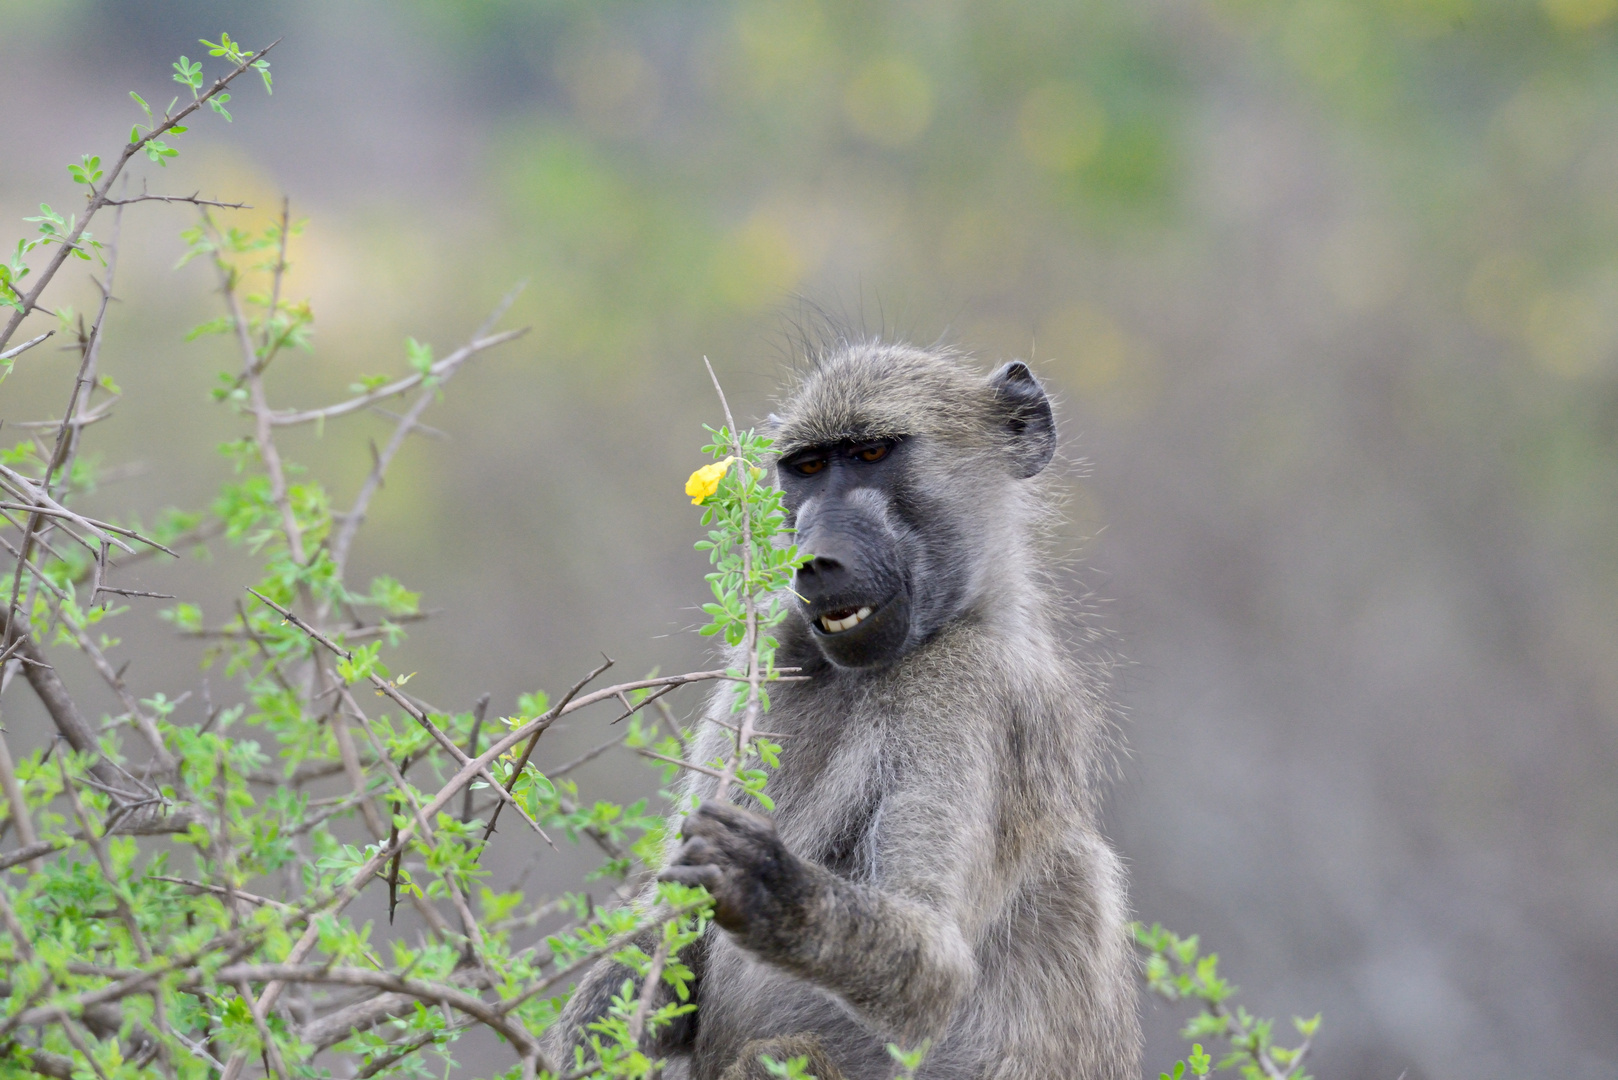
(1027, 417)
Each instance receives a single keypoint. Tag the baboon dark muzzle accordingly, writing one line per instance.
(853, 593)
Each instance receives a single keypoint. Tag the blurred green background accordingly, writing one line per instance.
(1328, 292)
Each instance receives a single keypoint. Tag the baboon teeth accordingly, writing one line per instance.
(848, 622)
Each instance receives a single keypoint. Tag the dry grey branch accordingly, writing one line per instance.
(18, 350)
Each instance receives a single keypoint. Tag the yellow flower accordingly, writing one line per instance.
(705, 481)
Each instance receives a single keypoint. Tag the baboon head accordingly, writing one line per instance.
(907, 475)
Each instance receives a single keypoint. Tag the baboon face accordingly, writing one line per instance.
(895, 466)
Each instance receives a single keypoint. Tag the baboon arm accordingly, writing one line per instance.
(903, 965)
(897, 946)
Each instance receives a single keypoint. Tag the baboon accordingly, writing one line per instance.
(932, 869)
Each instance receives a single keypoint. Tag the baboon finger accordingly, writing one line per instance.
(713, 816)
(708, 876)
(696, 851)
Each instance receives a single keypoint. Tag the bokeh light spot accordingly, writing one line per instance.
(1104, 363)
(782, 44)
(1569, 333)
(614, 90)
(1325, 40)
(1576, 15)
(756, 265)
(1498, 292)
(1362, 264)
(890, 102)
(982, 250)
(1060, 126)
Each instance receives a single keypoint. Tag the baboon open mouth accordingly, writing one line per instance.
(835, 622)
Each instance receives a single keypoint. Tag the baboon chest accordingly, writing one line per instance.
(829, 793)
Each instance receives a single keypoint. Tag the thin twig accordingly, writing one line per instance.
(478, 711)
(67, 437)
(56, 510)
(527, 751)
(84, 419)
(648, 990)
(693, 766)
(25, 346)
(203, 886)
(134, 592)
(393, 389)
(19, 805)
(192, 199)
(587, 756)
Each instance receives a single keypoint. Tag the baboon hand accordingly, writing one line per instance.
(760, 889)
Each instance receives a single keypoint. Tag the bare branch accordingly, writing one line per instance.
(203, 886)
(31, 853)
(84, 419)
(693, 766)
(52, 694)
(191, 198)
(437, 993)
(50, 508)
(587, 756)
(131, 592)
(393, 389)
(527, 752)
(25, 346)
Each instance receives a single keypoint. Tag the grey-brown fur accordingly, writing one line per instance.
(933, 870)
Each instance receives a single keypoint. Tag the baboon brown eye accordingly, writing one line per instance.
(874, 452)
(808, 466)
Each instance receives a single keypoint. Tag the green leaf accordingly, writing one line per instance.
(362, 664)
(222, 325)
(188, 73)
(420, 356)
